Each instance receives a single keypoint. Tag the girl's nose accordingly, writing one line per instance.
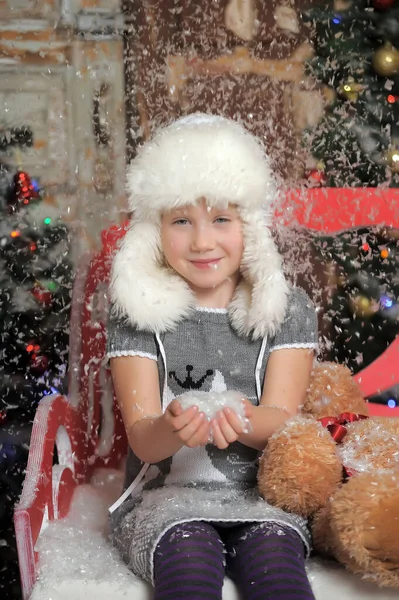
(202, 239)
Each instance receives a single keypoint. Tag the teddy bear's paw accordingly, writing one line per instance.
(364, 525)
(381, 532)
(300, 468)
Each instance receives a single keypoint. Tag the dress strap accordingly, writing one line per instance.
(258, 368)
(130, 489)
(165, 379)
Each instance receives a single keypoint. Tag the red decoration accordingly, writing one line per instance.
(42, 295)
(3, 416)
(32, 347)
(315, 178)
(23, 191)
(383, 4)
(39, 363)
(336, 425)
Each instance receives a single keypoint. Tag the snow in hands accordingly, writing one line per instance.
(211, 403)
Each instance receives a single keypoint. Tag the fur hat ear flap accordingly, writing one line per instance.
(143, 290)
(259, 304)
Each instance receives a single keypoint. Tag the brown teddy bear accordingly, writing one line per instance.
(339, 467)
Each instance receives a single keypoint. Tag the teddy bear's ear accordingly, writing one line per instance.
(332, 391)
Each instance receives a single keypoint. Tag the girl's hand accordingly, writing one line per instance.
(190, 426)
(227, 427)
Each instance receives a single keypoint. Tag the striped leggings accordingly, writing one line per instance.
(265, 560)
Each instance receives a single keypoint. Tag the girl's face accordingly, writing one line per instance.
(204, 245)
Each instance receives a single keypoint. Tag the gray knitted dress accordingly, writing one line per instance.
(202, 353)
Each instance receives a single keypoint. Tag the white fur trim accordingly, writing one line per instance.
(205, 156)
(142, 289)
(259, 305)
(131, 353)
(211, 310)
(293, 345)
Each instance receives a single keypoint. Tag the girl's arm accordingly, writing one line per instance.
(287, 378)
(286, 381)
(153, 436)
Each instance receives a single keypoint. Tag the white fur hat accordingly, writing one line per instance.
(199, 156)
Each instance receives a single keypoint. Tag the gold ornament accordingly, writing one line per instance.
(350, 90)
(362, 306)
(393, 158)
(386, 60)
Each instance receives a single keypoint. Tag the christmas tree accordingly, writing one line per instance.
(356, 144)
(357, 57)
(35, 293)
(364, 309)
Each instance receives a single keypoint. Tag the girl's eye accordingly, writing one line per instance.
(222, 220)
(180, 222)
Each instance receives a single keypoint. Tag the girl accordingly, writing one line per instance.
(200, 302)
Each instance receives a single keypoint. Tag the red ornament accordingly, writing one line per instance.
(32, 347)
(23, 191)
(315, 178)
(39, 364)
(3, 416)
(383, 4)
(42, 295)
